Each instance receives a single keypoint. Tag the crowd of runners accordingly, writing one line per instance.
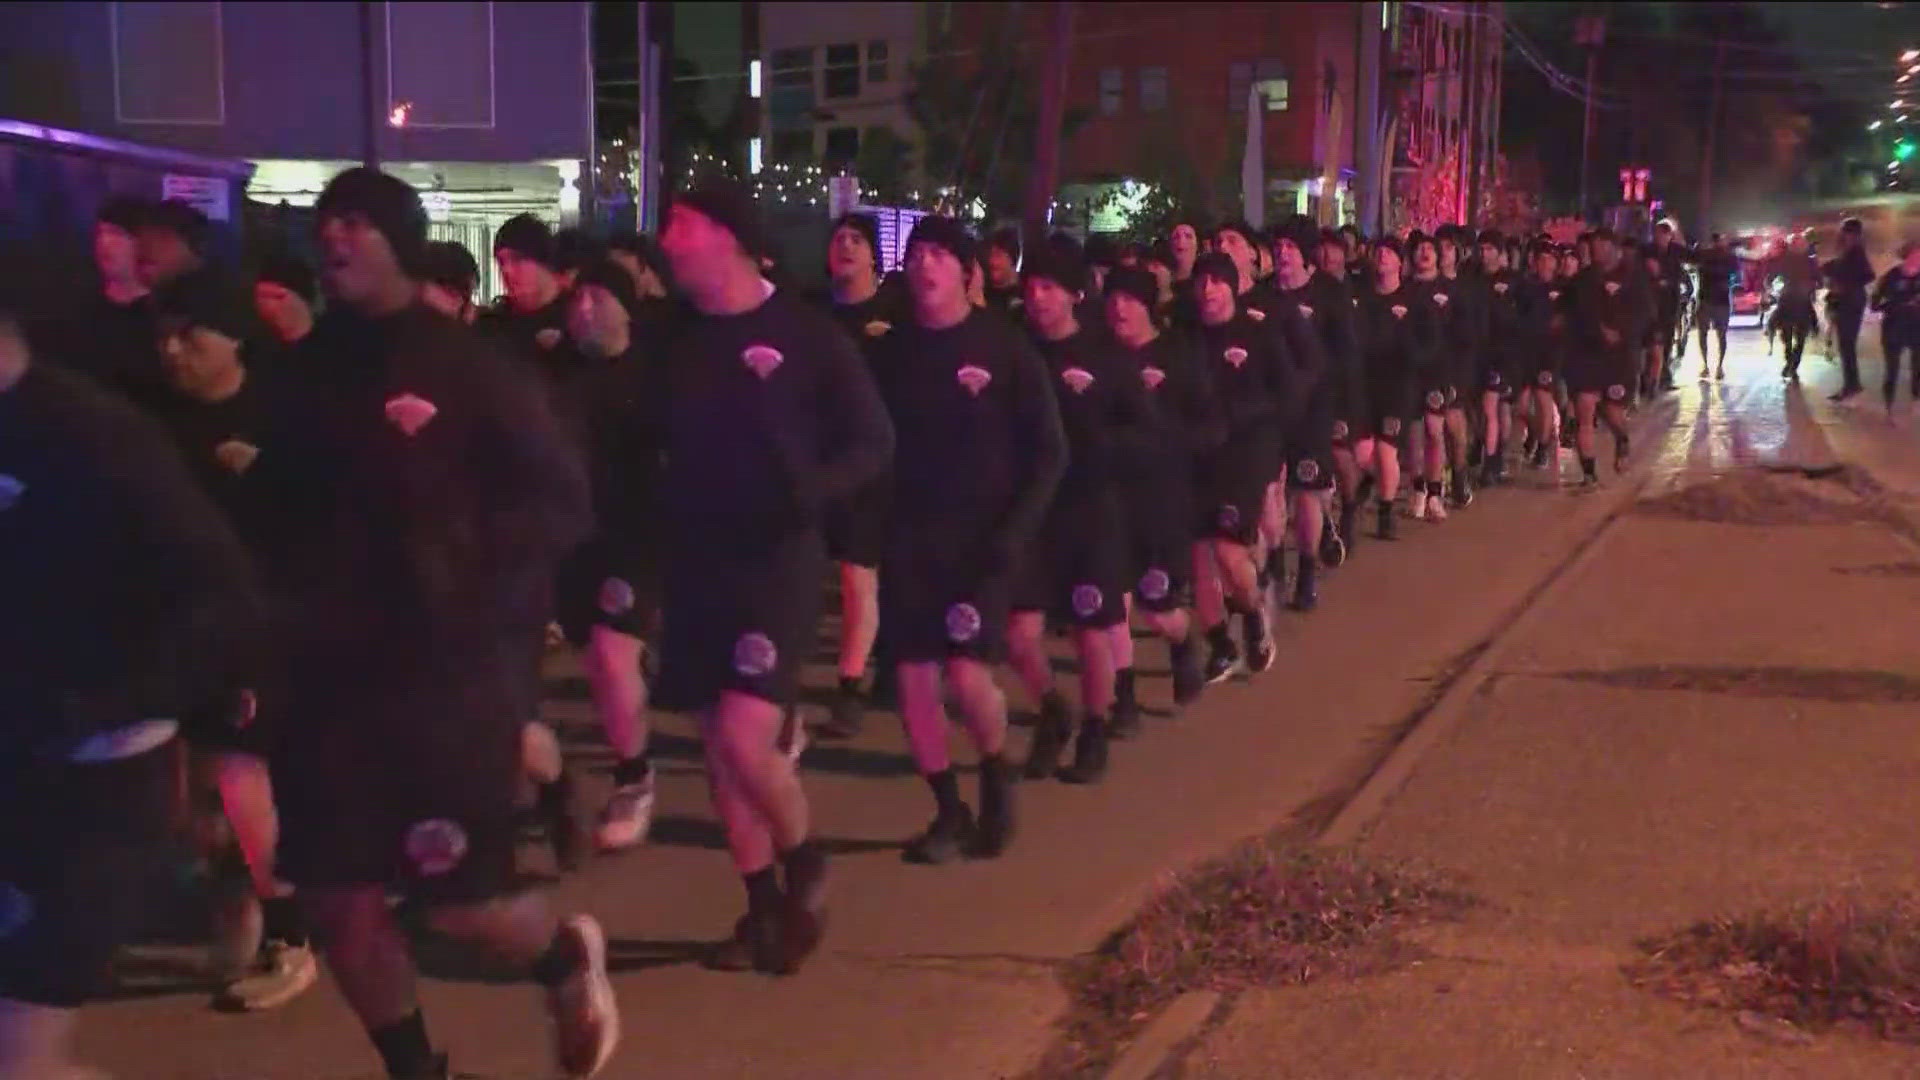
(311, 532)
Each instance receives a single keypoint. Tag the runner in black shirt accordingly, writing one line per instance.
(1001, 260)
(448, 278)
(532, 320)
(1322, 391)
(1794, 314)
(1714, 304)
(1500, 356)
(418, 496)
(1540, 305)
(125, 596)
(111, 336)
(1467, 326)
(866, 308)
(1397, 335)
(1440, 381)
(1609, 313)
(773, 417)
(1671, 286)
(1896, 296)
(1848, 276)
(1353, 419)
(980, 452)
(1076, 572)
(1181, 422)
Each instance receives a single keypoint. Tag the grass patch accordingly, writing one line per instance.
(1850, 962)
(1265, 914)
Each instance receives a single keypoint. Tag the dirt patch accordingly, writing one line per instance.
(1779, 495)
(1818, 684)
(1849, 963)
(1266, 914)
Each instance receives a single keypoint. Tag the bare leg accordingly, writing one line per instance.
(923, 710)
(612, 663)
(1027, 653)
(743, 732)
(859, 618)
(983, 707)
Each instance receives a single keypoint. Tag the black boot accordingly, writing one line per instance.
(1306, 593)
(1050, 736)
(1089, 754)
(946, 839)
(1126, 707)
(1253, 632)
(1222, 654)
(1462, 490)
(848, 713)
(1349, 536)
(1188, 679)
(1389, 525)
(994, 831)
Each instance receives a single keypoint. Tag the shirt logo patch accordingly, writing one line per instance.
(975, 379)
(616, 596)
(1087, 600)
(1553, 294)
(410, 413)
(754, 655)
(877, 327)
(1153, 377)
(1440, 298)
(1399, 311)
(761, 359)
(1077, 378)
(547, 338)
(11, 488)
(1155, 584)
(963, 623)
(1256, 314)
(1500, 287)
(1236, 356)
(435, 846)
(1612, 287)
(1306, 312)
(237, 456)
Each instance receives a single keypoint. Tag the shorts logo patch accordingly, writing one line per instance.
(235, 455)
(1545, 378)
(1500, 287)
(1306, 312)
(435, 846)
(1153, 377)
(1087, 600)
(963, 623)
(1612, 287)
(16, 910)
(1339, 429)
(1553, 294)
(1390, 427)
(1228, 516)
(1493, 380)
(1440, 298)
(1616, 392)
(877, 327)
(754, 655)
(1399, 311)
(1155, 584)
(410, 413)
(1435, 399)
(547, 338)
(1256, 314)
(1077, 379)
(762, 360)
(975, 379)
(1308, 470)
(11, 488)
(1236, 356)
(616, 596)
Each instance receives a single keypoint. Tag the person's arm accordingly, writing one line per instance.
(1041, 441)
(859, 429)
(540, 502)
(1199, 404)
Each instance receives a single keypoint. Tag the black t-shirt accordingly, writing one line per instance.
(1717, 269)
(613, 411)
(1250, 376)
(1397, 335)
(1181, 418)
(116, 344)
(980, 438)
(1453, 315)
(1329, 307)
(771, 415)
(1615, 300)
(221, 440)
(533, 335)
(1102, 409)
(1897, 296)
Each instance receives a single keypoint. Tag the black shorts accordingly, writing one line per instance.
(1160, 513)
(1077, 571)
(1716, 316)
(857, 526)
(1497, 377)
(741, 622)
(939, 599)
(597, 586)
(1232, 490)
(1613, 378)
(88, 853)
(222, 725)
(1310, 467)
(1438, 399)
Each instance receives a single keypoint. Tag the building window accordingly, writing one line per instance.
(1153, 89)
(790, 90)
(793, 145)
(1269, 77)
(842, 72)
(1113, 91)
(843, 145)
(876, 61)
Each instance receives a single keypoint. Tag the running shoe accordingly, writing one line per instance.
(628, 816)
(1436, 509)
(1333, 549)
(755, 945)
(282, 972)
(586, 1019)
(846, 716)
(1417, 505)
(945, 840)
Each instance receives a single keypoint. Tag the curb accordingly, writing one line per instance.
(1175, 1024)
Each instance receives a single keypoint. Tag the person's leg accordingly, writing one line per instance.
(1126, 701)
(1614, 414)
(612, 661)
(1095, 653)
(372, 964)
(1433, 429)
(1890, 381)
(859, 627)
(286, 965)
(923, 711)
(1492, 441)
(983, 708)
(1309, 517)
(1241, 584)
(1027, 655)
(1722, 317)
(1458, 439)
(1703, 320)
(1210, 606)
(1584, 404)
(1847, 331)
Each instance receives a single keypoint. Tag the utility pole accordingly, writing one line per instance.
(371, 114)
(1705, 224)
(1046, 139)
(1366, 120)
(1589, 33)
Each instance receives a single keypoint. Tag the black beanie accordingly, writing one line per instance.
(1388, 243)
(182, 220)
(945, 232)
(1247, 232)
(205, 298)
(1101, 251)
(290, 273)
(609, 275)
(1301, 233)
(450, 266)
(728, 204)
(528, 237)
(1054, 263)
(1136, 282)
(574, 248)
(387, 202)
(1007, 240)
(125, 212)
(1218, 264)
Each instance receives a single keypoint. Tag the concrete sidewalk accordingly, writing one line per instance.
(950, 972)
(1695, 728)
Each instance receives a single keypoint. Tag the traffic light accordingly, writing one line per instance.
(1903, 149)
